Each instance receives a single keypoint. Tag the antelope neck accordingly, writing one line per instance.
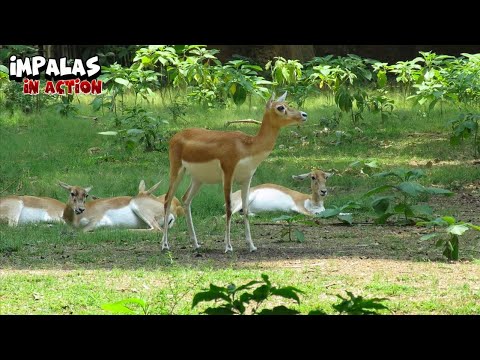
(267, 135)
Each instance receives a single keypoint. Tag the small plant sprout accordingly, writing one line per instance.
(453, 230)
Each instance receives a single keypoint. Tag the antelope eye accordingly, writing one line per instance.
(73, 194)
(280, 108)
(86, 196)
(313, 177)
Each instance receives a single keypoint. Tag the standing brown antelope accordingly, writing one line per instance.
(143, 211)
(212, 157)
(272, 197)
(30, 209)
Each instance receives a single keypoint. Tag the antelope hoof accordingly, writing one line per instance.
(165, 247)
(228, 248)
(253, 248)
(197, 246)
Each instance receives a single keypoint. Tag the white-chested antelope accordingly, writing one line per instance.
(24, 209)
(212, 157)
(272, 197)
(143, 211)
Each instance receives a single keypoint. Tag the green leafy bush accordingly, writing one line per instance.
(454, 229)
(403, 197)
(238, 301)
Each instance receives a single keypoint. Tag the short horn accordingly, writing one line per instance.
(282, 98)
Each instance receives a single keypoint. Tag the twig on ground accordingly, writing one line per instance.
(13, 182)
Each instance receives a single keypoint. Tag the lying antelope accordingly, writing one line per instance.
(272, 197)
(31, 209)
(143, 211)
(212, 157)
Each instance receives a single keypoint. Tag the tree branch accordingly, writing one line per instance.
(245, 121)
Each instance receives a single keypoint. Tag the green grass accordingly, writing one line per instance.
(56, 270)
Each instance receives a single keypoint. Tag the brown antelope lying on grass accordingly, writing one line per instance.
(272, 197)
(212, 157)
(31, 209)
(143, 211)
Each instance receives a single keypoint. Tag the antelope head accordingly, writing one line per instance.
(318, 181)
(281, 114)
(77, 197)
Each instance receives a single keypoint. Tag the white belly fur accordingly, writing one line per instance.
(270, 200)
(210, 172)
(122, 217)
(29, 215)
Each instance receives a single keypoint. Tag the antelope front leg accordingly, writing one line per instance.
(176, 175)
(148, 217)
(187, 202)
(245, 203)
(227, 191)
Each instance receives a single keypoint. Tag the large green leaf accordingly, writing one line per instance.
(440, 242)
(382, 219)
(97, 103)
(3, 69)
(458, 229)
(223, 310)
(209, 296)
(265, 279)
(344, 101)
(122, 81)
(286, 74)
(438, 191)
(279, 310)
(327, 213)
(411, 188)
(240, 95)
(381, 204)
(317, 312)
(299, 235)
(422, 209)
(248, 285)
(245, 298)
(288, 292)
(239, 305)
(381, 78)
(261, 293)
(448, 219)
(378, 190)
(120, 307)
(346, 218)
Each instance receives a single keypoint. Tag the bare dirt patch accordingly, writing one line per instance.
(329, 240)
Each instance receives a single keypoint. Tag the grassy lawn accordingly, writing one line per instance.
(57, 270)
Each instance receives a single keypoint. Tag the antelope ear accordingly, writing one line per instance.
(64, 185)
(154, 187)
(269, 102)
(87, 190)
(282, 98)
(141, 186)
(300, 177)
(327, 175)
